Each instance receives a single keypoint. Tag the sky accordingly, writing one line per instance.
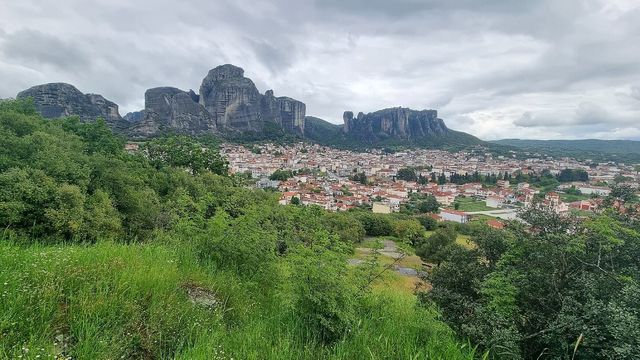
(536, 69)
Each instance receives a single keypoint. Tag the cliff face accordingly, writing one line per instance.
(236, 105)
(395, 123)
(171, 109)
(56, 100)
(227, 102)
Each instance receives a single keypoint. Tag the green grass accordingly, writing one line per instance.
(573, 198)
(470, 205)
(110, 301)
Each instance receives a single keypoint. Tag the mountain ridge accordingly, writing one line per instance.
(228, 104)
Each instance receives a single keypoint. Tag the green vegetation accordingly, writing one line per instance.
(557, 289)
(160, 254)
(470, 204)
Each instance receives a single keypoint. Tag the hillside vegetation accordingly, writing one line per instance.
(107, 255)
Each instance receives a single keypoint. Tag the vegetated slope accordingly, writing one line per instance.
(107, 254)
(620, 150)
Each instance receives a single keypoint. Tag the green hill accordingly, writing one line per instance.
(612, 150)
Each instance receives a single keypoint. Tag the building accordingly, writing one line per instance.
(454, 215)
(494, 201)
(496, 224)
(597, 190)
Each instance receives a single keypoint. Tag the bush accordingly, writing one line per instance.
(376, 224)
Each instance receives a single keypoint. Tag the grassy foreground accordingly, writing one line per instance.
(109, 301)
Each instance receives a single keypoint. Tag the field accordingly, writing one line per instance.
(573, 198)
(470, 205)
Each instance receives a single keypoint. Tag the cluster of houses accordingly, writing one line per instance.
(324, 177)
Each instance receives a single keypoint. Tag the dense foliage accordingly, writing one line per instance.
(555, 289)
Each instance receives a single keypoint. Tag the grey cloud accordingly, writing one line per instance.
(586, 114)
(38, 49)
(482, 63)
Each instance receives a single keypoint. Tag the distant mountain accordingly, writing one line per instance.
(389, 127)
(619, 150)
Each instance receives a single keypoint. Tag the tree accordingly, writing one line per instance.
(436, 247)
(429, 205)
(281, 175)
(428, 222)
(295, 200)
(407, 174)
(360, 177)
(183, 151)
(409, 230)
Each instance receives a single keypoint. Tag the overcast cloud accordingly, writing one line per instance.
(495, 68)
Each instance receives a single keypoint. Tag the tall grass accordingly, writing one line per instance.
(110, 301)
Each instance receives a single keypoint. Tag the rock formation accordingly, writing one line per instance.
(170, 109)
(227, 102)
(396, 123)
(236, 105)
(56, 100)
(134, 116)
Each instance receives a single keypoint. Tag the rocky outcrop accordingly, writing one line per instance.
(170, 109)
(393, 123)
(227, 102)
(232, 99)
(57, 100)
(285, 111)
(134, 116)
(236, 105)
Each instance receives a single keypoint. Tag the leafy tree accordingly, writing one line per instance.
(538, 289)
(185, 152)
(281, 175)
(409, 230)
(376, 224)
(348, 228)
(407, 174)
(428, 222)
(436, 247)
(360, 177)
(429, 205)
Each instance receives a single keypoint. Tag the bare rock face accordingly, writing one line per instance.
(134, 116)
(227, 102)
(232, 99)
(172, 109)
(397, 123)
(55, 100)
(285, 111)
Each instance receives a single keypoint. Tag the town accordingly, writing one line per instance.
(465, 184)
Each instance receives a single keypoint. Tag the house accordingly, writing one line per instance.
(597, 190)
(265, 183)
(494, 201)
(444, 198)
(496, 224)
(286, 197)
(454, 215)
